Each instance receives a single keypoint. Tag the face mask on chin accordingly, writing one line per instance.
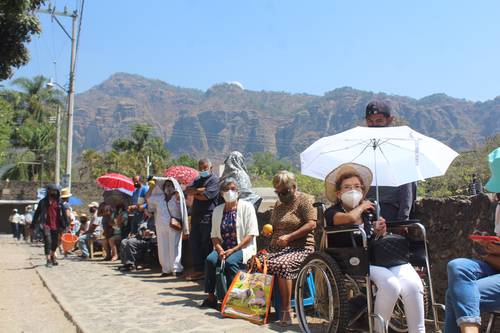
(351, 198)
(230, 196)
(169, 190)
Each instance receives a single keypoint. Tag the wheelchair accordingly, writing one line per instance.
(342, 296)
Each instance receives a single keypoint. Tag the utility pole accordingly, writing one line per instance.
(57, 121)
(58, 146)
(71, 87)
(148, 165)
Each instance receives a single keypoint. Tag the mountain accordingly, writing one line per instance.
(227, 117)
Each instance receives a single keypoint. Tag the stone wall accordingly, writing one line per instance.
(449, 222)
(16, 190)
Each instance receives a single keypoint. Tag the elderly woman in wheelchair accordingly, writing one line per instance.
(351, 223)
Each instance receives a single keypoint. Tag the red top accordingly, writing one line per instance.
(52, 214)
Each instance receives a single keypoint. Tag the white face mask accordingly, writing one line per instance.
(351, 198)
(230, 196)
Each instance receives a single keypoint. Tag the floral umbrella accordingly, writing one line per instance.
(184, 174)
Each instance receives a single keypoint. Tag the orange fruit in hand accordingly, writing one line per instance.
(267, 229)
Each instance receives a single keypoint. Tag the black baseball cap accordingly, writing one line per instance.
(376, 107)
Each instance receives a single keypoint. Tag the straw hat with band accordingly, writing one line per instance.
(364, 173)
(65, 193)
(94, 204)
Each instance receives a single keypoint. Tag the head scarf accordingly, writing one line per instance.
(234, 167)
(158, 190)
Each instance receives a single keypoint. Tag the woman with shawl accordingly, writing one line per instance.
(166, 200)
(235, 168)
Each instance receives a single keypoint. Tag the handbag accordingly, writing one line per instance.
(174, 222)
(249, 296)
(390, 250)
(220, 281)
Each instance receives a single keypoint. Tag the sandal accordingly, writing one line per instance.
(209, 303)
(196, 276)
(286, 318)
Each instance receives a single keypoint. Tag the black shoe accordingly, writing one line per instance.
(126, 268)
(177, 274)
(165, 274)
(49, 264)
(208, 303)
(54, 262)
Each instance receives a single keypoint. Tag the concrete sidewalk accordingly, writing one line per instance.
(99, 298)
(26, 305)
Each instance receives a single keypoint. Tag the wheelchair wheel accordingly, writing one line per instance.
(398, 319)
(324, 307)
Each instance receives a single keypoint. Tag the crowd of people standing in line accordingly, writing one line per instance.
(218, 216)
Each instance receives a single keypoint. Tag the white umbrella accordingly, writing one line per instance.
(396, 155)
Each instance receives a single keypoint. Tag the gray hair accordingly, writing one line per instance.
(284, 178)
(205, 161)
(226, 182)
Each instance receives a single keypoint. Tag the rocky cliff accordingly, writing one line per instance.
(227, 117)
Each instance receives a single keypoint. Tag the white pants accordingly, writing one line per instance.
(169, 248)
(394, 281)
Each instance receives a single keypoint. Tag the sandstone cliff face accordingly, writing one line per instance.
(226, 117)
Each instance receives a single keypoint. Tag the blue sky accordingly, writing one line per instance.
(399, 47)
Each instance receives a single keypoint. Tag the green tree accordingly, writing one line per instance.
(92, 164)
(39, 101)
(6, 113)
(35, 144)
(266, 164)
(128, 155)
(142, 144)
(18, 22)
(459, 175)
(186, 160)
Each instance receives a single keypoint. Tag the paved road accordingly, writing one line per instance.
(98, 298)
(26, 305)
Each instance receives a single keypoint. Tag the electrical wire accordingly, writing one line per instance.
(78, 34)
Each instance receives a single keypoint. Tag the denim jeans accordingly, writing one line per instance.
(473, 286)
(50, 240)
(233, 264)
(82, 244)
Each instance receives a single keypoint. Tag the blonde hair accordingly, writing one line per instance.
(284, 178)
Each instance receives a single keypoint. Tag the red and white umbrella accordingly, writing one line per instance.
(116, 181)
(184, 174)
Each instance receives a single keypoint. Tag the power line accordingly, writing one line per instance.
(78, 35)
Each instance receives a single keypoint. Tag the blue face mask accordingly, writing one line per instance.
(205, 173)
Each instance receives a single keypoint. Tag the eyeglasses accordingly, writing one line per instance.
(283, 192)
(352, 187)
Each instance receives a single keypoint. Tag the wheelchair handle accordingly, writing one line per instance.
(402, 223)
